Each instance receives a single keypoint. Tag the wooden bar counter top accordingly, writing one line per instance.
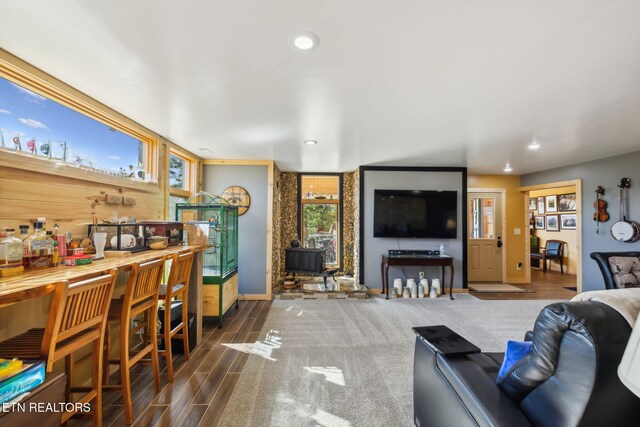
(39, 282)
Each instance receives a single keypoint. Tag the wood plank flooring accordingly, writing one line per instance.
(546, 285)
(201, 387)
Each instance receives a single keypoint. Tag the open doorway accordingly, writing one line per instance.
(554, 249)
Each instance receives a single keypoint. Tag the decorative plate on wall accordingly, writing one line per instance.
(239, 197)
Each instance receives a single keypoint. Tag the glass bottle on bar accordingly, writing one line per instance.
(37, 248)
(10, 250)
(24, 232)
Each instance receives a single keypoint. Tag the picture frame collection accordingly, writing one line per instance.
(553, 212)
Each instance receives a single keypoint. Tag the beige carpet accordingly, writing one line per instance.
(344, 363)
(496, 287)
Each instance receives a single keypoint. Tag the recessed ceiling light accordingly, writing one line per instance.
(534, 144)
(507, 168)
(311, 142)
(305, 40)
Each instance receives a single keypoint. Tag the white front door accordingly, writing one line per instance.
(484, 237)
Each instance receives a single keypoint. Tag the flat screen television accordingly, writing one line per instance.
(415, 213)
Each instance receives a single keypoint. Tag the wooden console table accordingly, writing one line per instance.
(416, 260)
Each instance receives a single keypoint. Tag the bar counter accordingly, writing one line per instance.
(36, 283)
(39, 282)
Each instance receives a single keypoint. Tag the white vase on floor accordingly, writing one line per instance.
(397, 283)
(406, 293)
(435, 283)
(420, 291)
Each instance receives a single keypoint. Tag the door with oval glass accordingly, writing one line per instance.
(484, 237)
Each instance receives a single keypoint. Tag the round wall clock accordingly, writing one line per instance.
(239, 197)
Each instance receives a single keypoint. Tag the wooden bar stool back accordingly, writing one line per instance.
(77, 318)
(140, 298)
(176, 286)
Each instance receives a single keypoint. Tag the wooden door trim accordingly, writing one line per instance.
(503, 226)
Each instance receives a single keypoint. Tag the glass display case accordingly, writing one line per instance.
(214, 222)
(122, 237)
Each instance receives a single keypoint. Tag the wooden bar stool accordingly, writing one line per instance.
(140, 297)
(77, 318)
(176, 286)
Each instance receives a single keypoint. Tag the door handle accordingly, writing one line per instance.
(499, 243)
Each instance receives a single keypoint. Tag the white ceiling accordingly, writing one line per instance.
(403, 82)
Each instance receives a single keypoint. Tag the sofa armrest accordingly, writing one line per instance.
(444, 341)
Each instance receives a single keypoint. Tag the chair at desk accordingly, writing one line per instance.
(553, 249)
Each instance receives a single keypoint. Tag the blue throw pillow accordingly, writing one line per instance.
(516, 350)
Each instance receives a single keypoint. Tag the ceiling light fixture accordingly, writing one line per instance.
(534, 144)
(305, 40)
(311, 142)
(507, 168)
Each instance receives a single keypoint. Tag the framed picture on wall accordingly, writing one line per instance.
(551, 203)
(553, 223)
(568, 221)
(532, 203)
(540, 205)
(567, 202)
(540, 223)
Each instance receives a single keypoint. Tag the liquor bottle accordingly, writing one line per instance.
(37, 248)
(10, 250)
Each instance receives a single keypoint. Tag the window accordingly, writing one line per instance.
(182, 179)
(37, 126)
(320, 214)
(481, 218)
(179, 172)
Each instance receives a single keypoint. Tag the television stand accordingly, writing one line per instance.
(413, 260)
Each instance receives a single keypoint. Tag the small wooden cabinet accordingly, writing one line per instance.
(217, 299)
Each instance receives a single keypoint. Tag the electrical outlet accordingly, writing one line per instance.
(421, 275)
(519, 266)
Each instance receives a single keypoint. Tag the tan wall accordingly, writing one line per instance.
(514, 244)
(568, 236)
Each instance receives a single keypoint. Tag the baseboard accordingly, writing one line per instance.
(254, 297)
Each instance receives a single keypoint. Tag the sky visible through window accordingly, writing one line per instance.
(88, 142)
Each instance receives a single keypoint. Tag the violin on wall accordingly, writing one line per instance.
(600, 205)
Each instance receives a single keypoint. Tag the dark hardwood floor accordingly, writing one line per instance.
(201, 387)
(546, 285)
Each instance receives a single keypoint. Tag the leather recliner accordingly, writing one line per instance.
(569, 378)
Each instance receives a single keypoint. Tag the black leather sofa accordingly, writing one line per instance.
(569, 379)
(602, 259)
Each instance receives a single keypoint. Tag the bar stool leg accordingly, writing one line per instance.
(124, 371)
(105, 355)
(68, 369)
(153, 333)
(167, 342)
(185, 326)
(96, 381)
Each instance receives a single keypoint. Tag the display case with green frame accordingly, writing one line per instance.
(216, 219)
